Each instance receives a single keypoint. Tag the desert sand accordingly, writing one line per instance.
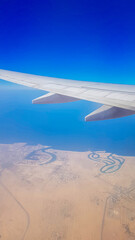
(48, 194)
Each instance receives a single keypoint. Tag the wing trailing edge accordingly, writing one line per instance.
(108, 112)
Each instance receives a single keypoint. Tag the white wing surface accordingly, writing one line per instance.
(119, 99)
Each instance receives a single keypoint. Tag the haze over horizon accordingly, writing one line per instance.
(83, 40)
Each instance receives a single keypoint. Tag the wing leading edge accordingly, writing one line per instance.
(118, 100)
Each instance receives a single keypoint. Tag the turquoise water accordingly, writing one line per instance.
(60, 126)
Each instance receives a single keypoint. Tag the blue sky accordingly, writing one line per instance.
(84, 40)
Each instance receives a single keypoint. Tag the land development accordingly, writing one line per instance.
(50, 194)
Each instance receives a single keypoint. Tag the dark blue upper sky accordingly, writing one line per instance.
(77, 39)
(90, 40)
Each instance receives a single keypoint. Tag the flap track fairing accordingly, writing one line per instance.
(53, 98)
(108, 112)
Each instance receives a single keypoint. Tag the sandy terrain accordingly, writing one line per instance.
(48, 194)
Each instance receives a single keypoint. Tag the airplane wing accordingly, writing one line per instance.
(118, 100)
